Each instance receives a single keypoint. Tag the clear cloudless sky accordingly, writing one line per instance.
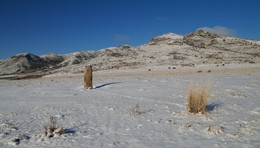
(65, 26)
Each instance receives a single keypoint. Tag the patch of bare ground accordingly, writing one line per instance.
(21, 77)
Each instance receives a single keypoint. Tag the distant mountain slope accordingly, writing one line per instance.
(199, 47)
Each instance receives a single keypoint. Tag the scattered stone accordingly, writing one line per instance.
(24, 137)
(15, 141)
(10, 126)
(50, 135)
(56, 136)
(169, 121)
(59, 131)
(188, 125)
(49, 132)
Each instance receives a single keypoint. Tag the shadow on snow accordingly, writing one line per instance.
(103, 85)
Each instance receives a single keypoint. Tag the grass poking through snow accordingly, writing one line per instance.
(135, 111)
(197, 99)
(52, 128)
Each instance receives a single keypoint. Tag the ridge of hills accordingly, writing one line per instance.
(200, 47)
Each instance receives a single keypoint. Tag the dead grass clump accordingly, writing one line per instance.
(135, 111)
(197, 99)
(52, 128)
(215, 129)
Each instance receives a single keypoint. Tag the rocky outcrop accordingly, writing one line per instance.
(118, 52)
(169, 38)
(53, 59)
(200, 38)
(22, 63)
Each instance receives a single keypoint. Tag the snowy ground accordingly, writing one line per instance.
(102, 117)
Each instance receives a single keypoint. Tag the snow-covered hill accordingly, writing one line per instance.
(199, 47)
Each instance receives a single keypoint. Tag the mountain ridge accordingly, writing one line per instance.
(200, 47)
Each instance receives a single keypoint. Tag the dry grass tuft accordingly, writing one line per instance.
(197, 99)
(215, 129)
(52, 128)
(135, 111)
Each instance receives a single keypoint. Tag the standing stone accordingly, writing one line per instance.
(88, 77)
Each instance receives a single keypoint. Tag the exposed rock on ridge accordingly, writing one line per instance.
(200, 38)
(22, 63)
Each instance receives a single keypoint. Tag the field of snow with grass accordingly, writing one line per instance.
(138, 109)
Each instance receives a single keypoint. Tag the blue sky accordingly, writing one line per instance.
(65, 26)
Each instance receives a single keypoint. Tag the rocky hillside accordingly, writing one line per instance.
(200, 47)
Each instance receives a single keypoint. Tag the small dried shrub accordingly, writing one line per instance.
(215, 129)
(197, 99)
(52, 128)
(135, 111)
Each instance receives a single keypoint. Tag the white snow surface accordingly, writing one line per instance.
(102, 117)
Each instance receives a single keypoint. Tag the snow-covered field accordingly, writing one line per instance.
(103, 117)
